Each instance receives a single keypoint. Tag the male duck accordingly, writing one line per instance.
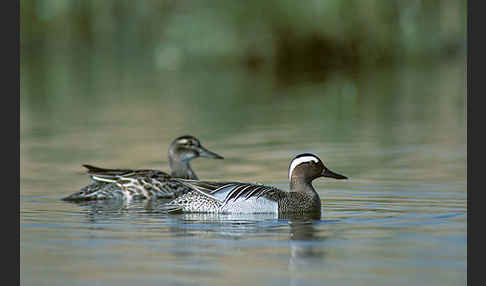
(146, 184)
(234, 197)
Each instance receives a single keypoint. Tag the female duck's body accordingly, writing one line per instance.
(146, 184)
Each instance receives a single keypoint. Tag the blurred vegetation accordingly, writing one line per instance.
(101, 77)
(284, 37)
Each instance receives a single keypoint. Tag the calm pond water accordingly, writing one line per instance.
(399, 135)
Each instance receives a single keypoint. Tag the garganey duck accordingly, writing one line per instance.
(145, 183)
(235, 197)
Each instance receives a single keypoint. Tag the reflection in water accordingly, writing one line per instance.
(114, 209)
(219, 232)
(103, 210)
(297, 250)
(304, 252)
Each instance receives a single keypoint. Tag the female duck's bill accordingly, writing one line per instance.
(146, 183)
(236, 197)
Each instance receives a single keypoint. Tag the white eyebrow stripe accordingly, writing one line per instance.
(299, 161)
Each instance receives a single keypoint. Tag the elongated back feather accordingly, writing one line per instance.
(247, 191)
(233, 190)
(112, 175)
(202, 187)
(97, 170)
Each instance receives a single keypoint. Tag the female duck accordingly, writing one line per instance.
(146, 184)
(234, 197)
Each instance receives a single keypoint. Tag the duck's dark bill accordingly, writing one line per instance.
(331, 174)
(203, 152)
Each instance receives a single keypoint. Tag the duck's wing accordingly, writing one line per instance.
(120, 183)
(97, 190)
(227, 191)
(120, 175)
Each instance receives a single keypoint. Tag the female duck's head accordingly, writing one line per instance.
(182, 150)
(188, 147)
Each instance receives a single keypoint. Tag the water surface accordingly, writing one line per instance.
(398, 134)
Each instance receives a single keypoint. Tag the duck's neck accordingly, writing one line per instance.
(181, 169)
(301, 185)
(305, 187)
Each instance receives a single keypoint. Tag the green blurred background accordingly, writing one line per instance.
(102, 75)
(289, 39)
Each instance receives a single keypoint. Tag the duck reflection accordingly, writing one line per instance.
(306, 249)
(222, 226)
(302, 239)
(107, 210)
